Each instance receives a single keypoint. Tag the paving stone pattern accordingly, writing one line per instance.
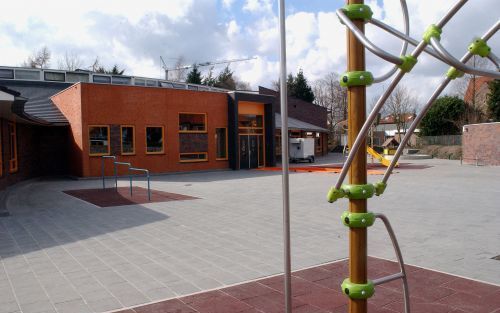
(316, 290)
(61, 254)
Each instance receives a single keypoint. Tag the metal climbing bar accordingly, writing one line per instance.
(404, 37)
(427, 106)
(132, 169)
(494, 59)
(451, 60)
(103, 158)
(365, 41)
(373, 114)
(399, 256)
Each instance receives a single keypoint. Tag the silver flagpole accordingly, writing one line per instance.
(284, 161)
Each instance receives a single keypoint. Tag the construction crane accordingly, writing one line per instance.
(185, 67)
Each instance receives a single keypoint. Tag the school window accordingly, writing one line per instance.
(13, 165)
(192, 122)
(127, 139)
(99, 140)
(154, 140)
(193, 157)
(221, 142)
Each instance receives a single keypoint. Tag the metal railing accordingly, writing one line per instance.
(103, 158)
(131, 169)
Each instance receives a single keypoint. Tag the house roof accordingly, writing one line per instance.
(389, 141)
(389, 119)
(37, 106)
(295, 124)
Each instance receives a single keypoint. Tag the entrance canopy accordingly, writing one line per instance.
(295, 124)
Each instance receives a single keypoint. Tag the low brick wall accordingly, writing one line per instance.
(481, 141)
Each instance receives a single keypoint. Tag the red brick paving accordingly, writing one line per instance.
(113, 197)
(317, 290)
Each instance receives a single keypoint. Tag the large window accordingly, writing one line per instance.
(193, 157)
(127, 140)
(154, 140)
(221, 142)
(192, 122)
(99, 140)
(13, 165)
(250, 121)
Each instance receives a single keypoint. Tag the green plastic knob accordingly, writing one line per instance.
(334, 194)
(358, 220)
(453, 73)
(479, 47)
(358, 11)
(408, 63)
(356, 78)
(358, 191)
(358, 291)
(379, 188)
(432, 31)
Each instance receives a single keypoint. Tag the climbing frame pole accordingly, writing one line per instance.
(356, 97)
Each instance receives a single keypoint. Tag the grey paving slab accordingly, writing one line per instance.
(445, 215)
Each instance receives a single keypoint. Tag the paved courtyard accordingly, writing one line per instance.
(61, 254)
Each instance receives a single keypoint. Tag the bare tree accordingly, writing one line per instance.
(330, 95)
(401, 106)
(70, 62)
(466, 88)
(180, 72)
(39, 59)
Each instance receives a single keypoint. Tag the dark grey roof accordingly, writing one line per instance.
(38, 107)
(295, 124)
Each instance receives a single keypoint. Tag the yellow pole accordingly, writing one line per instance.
(356, 97)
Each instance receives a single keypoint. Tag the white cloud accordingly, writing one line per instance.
(135, 33)
(257, 6)
(227, 3)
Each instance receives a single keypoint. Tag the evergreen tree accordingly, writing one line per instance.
(209, 80)
(494, 100)
(225, 79)
(443, 117)
(299, 88)
(194, 77)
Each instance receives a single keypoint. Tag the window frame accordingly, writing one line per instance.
(162, 137)
(227, 143)
(193, 161)
(133, 139)
(108, 138)
(193, 131)
(13, 161)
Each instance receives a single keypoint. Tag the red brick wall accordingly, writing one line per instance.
(40, 152)
(94, 104)
(483, 141)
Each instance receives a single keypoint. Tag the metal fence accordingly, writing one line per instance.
(447, 140)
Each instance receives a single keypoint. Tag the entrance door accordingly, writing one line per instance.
(249, 150)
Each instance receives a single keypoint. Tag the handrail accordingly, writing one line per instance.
(116, 171)
(102, 168)
(131, 169)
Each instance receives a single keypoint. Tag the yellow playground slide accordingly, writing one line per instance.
(379, 157)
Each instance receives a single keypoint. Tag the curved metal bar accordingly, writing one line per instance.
(366, 42)
(493, 58)
(426, 108)
(399, 256)
(404, 37)
(380, 103)
(459, 65)
(406, 18)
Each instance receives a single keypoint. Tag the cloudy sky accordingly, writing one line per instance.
(134, 34)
